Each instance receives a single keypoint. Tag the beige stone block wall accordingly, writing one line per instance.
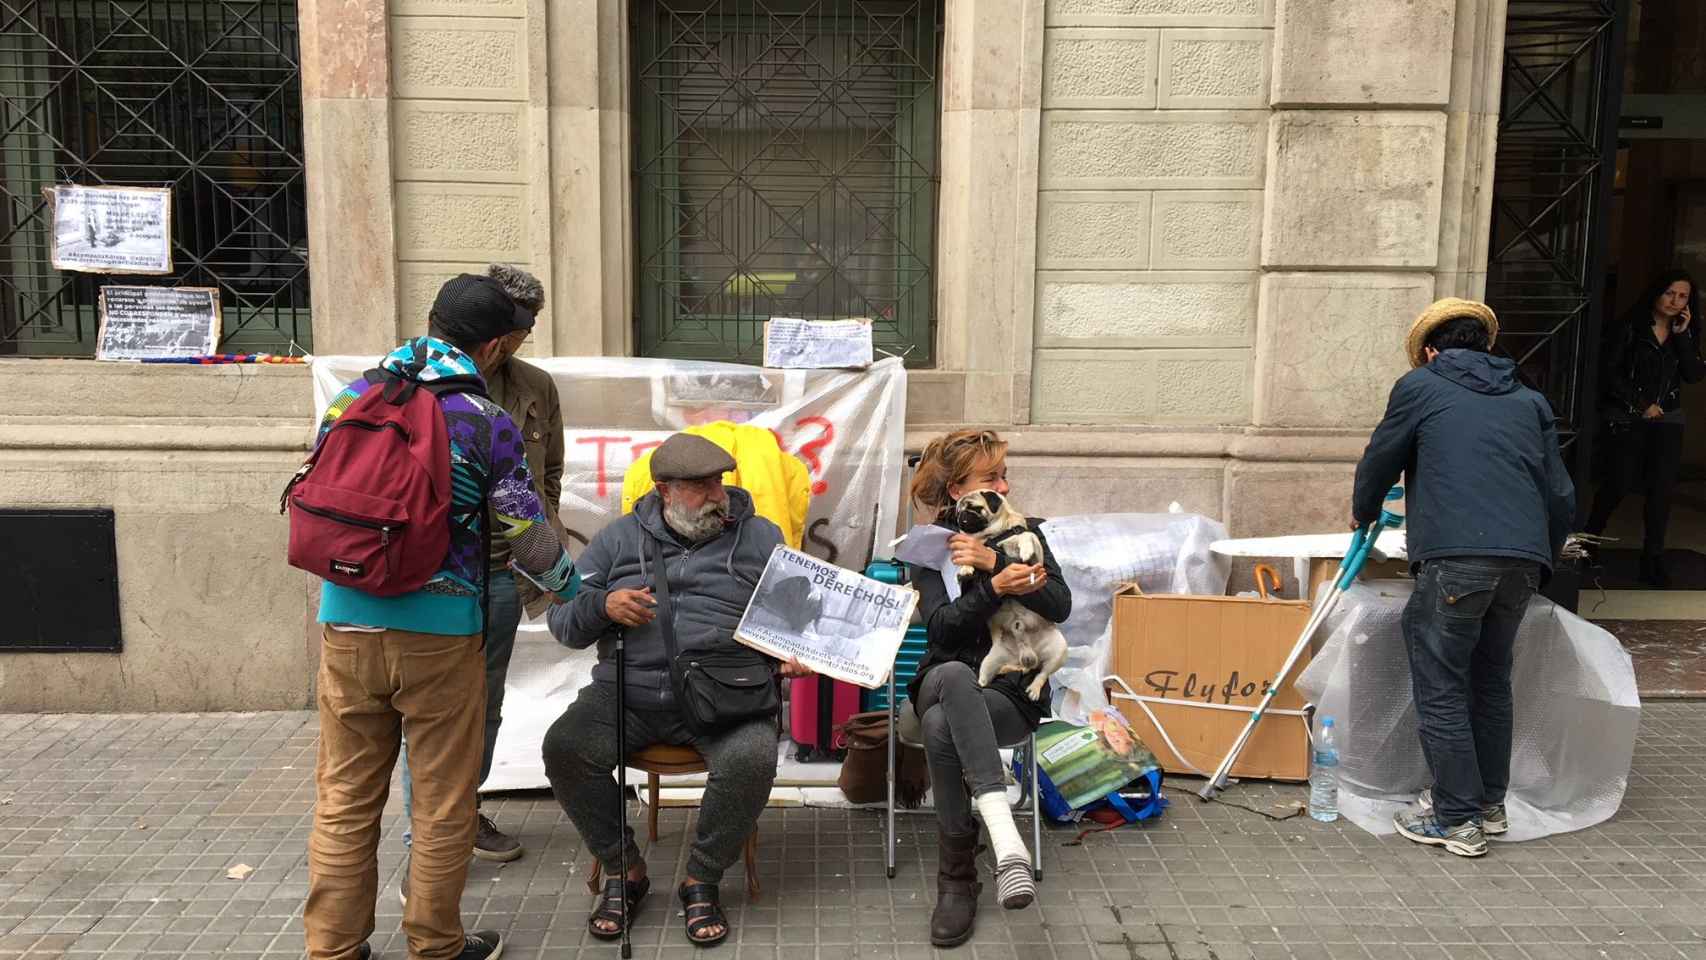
(1150, 212)
(1363, 52)
(191, 461)
(470, 155)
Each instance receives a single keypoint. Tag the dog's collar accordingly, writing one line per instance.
(1007, 534)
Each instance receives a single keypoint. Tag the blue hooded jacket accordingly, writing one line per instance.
(1483, 476)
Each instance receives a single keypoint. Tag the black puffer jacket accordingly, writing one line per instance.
(1639, 371)
(710, 584)
(959, 629)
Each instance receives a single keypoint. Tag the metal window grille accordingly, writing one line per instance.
(785, 165)
(200, 95)
(1551, 185)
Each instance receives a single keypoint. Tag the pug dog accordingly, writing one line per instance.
(1020, 640)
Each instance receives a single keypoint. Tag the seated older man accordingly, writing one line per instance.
(713, 548)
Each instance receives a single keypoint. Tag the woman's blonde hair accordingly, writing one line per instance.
(950, 459)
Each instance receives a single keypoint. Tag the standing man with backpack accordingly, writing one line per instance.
(413, 472)
(529, 395)
(1489, 504)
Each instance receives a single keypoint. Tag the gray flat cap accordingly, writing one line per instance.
(685, 456)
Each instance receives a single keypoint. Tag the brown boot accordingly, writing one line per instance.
(956, 889)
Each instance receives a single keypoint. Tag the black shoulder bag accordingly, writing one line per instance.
(716, 689)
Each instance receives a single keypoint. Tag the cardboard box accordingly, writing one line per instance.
(1323, 569)
(1185, 650)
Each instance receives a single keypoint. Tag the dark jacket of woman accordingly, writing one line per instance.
(959, 629)
(1639, 371)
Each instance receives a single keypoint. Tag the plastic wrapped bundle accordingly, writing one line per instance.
(1576, 715)
(1161, 552)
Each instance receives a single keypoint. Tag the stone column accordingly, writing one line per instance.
(592, 245)
(986, 220)
(1351, 233)
(468, 163)
(352, 262)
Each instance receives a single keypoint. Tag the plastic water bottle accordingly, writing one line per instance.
(1324, 775)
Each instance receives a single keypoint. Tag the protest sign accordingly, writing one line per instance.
(835, 621)
(112, 229)
(139, 322)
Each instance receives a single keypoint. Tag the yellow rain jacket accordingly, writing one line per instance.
(780, 485)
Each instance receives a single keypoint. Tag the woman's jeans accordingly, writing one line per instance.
(964, 727)
(1460, 629)
(1644, 458)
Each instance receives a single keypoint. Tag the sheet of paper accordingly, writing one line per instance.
(100, 229)
(790, 342)
(138, 322)
(924, 545)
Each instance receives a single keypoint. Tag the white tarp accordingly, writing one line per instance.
(1576, 715)
(1162, 552)
(847, 426)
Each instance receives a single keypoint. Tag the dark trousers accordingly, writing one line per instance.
(581, 751)
(965, 726)
(1645, 459)
(1460, 629)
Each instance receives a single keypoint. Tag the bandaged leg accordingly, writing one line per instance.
(1014, 884)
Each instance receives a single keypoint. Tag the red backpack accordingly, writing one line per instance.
(370, 508)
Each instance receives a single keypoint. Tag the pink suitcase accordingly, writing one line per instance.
(816, 706)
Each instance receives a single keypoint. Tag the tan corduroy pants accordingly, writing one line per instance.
(374, 688)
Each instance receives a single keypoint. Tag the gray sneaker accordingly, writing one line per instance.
(490, 843)
(1493, 818)
(1465, 839)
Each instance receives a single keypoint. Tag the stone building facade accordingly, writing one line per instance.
(1178, 243)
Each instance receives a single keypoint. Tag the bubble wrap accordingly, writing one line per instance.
(1575, 719)
(1161, 552)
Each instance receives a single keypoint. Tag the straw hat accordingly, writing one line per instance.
(1439, 312)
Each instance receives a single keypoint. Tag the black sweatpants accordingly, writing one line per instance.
(1645, 458)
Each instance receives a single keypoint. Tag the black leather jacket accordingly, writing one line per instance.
(1638, 371)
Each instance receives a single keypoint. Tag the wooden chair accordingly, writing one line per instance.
(662, 760)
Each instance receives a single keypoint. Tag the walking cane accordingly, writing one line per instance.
(1362, 541)
(622, 780)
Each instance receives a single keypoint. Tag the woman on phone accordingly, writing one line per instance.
(1647, 360)
(964, 724)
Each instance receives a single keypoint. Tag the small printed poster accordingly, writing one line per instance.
(817, 344)
(837, 622)
(112, 229)
(147, 322)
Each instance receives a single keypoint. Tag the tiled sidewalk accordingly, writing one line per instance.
(116, 833)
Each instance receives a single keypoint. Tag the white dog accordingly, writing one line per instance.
(1021, 641)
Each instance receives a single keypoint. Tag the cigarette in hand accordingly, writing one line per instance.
(1033, 580)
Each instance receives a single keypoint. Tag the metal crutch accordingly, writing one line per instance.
(1362, 541)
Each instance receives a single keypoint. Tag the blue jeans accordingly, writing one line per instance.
(505, 612)
(1460, 629)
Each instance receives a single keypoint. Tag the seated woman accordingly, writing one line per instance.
(963, 724)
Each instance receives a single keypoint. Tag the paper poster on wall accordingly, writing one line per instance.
(112, 229)
(148, 322)
(820, 344)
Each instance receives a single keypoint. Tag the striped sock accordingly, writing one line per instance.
(1015, 886)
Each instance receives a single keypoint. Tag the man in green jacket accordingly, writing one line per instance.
(529, 395)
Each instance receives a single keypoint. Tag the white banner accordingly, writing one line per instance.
(847, 426)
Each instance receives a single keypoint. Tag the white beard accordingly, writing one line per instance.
(696, 526)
